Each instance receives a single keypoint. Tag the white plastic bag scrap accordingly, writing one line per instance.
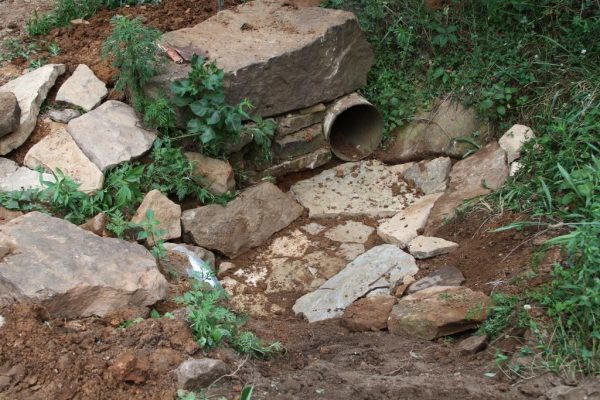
(200, 269)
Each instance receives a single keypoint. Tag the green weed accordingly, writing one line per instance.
(215, 124)
(213, 324)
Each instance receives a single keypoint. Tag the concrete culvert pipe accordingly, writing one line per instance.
(353, 127)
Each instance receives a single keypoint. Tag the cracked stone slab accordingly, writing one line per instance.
(364, 188)
(31, 90)
(111, 134)
(380, 267)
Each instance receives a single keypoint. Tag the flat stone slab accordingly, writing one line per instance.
(406, 225)
(260, 46)
(380, 267)
(15, 178)
(111, 134)
(72, 272)
(82, 89)
(364, 188)
(58, 151)
(350, 232)
(31, 90)
(444, 276)
(423, 247)
(245, 222)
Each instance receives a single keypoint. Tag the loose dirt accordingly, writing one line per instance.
(51, 358)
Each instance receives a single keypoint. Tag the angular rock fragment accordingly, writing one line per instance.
(31, 90)
(513, 140)
(63, 116)
(10, 113)
(473, 344)
(423, 247)
(299, 143)
(218, 174)
(406, 225)
(477, 175)
(444, 276)
(380, 267)
(14, 178)
(438, 311)
(309, 161)
(73, 272)
(58, 151)
(245, 222)
(298, 120)
(266, 42)
(430, 176)
(111, 134)
(82, 89)
(166, 212)
(368, 314)
(198, 373)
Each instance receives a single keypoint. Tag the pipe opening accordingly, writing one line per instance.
(356, 132)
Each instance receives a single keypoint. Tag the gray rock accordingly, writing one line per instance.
(198, 373)
(474, 176)
(438, 132)
(166, 212)
(111, 134)
(513, 140)
(364, 188)
(58, 151)
(96, 224)
(266, 42)
(14, 178)
(73, 272)
(10, 113)
(218, 174)
(444, 276)
(82, 89)
(430, 176)
(245, 222)
(380, 267)
(423, 247)
(299, 143)
(31, 90)
(438, 311)
(310, 161)
(589, 389)
(63, 116)
(473, 344)
(350, 232)
(406, 225)
(298, 120)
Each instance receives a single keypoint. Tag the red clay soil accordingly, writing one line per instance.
(82, 44)
(44, 357)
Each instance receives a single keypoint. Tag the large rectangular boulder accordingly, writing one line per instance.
(280, 57)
